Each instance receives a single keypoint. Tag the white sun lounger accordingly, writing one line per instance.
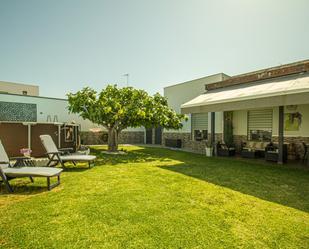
(7, 172)
(55, 156)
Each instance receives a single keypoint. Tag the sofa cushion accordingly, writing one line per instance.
(257, 145)
(223, 146)
(251, 144)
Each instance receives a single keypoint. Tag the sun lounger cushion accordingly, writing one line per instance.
(49, 144)
(31, 171)
(4, 165)
(78, 158)
(51, 148)
(4, 159)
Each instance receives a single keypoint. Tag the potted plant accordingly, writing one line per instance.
(209, 148)
(26, 152)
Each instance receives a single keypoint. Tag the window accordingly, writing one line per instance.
(260, 124)
(200, 135)
(260, 135)
(68, 133)
(25, 92)
(199, 126)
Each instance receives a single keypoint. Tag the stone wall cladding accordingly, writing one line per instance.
(295, 148)
(185, 137)
(131, 137)
(298, 148)
(88, 137)
(187, 142)
(125, 137)
(238, 139)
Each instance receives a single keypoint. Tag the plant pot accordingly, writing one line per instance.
(27, 154)
(209, 151)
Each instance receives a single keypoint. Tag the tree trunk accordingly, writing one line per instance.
(112, 140)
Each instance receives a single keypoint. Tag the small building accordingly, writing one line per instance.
(26, 108)
(196, 130)
(18, 88)
(263, 106)
(23, 117)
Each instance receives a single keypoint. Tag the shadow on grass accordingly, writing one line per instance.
(23, 186)
(142, 155)
(270, 182)
(76, 169)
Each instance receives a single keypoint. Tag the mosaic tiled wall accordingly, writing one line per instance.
(11, 111)
(188, 143)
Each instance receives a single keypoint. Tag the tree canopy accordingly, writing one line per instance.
(119, 108)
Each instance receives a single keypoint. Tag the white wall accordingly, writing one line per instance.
(304, 127)
(181, 93)
(54, 108)
(240, 122)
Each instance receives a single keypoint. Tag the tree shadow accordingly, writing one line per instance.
(270, 182)
(74, 169)
(141, 155)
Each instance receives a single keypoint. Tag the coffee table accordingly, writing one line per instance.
(23, 161)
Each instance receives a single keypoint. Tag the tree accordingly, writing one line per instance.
(119, 108)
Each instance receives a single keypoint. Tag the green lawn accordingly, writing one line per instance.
(159, 198)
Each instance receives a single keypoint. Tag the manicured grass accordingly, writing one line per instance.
(158, 198)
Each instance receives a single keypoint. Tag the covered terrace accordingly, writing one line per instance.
(264, 92)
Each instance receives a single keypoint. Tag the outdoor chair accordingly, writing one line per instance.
(7, 172)
(56, 156)
(224, 150)
(272, 152)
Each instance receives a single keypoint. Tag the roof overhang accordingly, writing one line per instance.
(292, 90)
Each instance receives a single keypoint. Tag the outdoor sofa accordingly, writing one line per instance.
(253, 149)
(56, 156)
(7, 172)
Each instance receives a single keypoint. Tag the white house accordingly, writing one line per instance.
(269, 105)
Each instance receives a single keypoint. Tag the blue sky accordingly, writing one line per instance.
(64, 45)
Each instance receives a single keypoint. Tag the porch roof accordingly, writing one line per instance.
(289, 90)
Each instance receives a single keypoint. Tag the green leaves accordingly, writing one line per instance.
(120, 108)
